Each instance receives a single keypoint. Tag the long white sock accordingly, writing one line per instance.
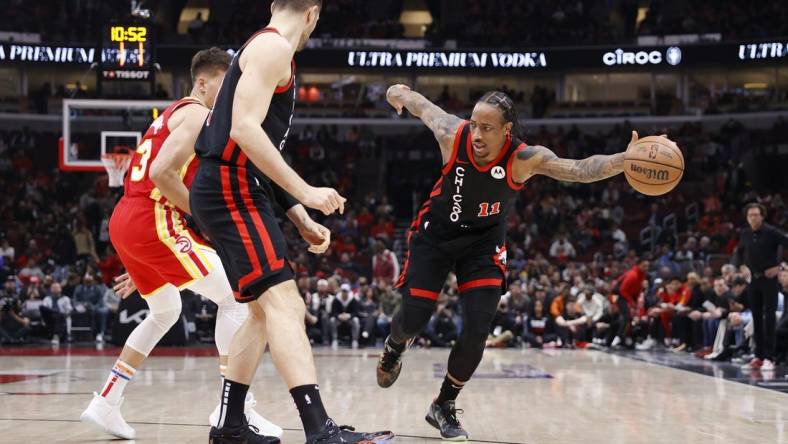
(120, 375)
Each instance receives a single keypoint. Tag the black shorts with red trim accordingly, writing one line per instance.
(236, 214)
(477, 257)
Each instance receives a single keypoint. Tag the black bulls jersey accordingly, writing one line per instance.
(214, 141)
(469, 196)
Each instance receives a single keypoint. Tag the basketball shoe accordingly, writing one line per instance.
(334, 434)
(243, 434)
(444, 418)
(106, 416)
(390, 364)
(265, 426)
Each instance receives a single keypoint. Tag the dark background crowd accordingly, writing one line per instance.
(471, 22)
(569, 245)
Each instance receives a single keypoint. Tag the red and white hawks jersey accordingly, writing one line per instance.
(138, 182)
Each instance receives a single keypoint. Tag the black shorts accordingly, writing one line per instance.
(237, 215)
(477, 257)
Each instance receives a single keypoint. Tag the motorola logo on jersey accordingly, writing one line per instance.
(456, 206)
(498, 172)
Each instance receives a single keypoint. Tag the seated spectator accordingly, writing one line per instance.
(89, 297)
(539, 328)
(385, 266)
(368, 311)
(441, 330)
(592, 307)
(319, 306)
(562, 250)
(14, 328)
(390, 301)
(503, 326)
(345, 316)
(56, 311)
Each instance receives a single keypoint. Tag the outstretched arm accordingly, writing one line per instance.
(442, 124)
(540, 160)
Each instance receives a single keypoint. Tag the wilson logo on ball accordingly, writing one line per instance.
(650, 173)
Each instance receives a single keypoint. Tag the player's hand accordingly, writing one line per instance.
(124, 286)
(317, 236)
(634, 140)
(326, 200)
(394, 96)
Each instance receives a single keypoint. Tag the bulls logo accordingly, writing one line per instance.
(498, 172)
(184, 244)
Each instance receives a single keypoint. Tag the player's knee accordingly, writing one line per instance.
(283, 300)
(477, 327)
(165, 320)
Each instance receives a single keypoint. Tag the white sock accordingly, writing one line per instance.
(120, 375)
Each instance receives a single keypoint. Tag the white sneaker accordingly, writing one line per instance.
(55, 340)
(265, 426)
(616, 342)
(354, 345)
(767, 366)
(107, 417)
(335, 344)
(648, 344)
(99, 338)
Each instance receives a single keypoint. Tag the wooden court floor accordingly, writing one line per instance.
(518, 396)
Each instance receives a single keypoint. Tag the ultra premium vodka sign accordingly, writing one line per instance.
(456, 59)
(763, 51)
(46, 54)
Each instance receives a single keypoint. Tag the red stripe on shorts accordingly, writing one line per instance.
(480, 283)
(274, 263)
(426, 294)
(227, 192)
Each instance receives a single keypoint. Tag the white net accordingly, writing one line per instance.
(116, 165)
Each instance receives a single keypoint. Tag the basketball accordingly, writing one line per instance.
(653, 165)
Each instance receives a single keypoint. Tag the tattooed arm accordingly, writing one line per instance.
(442, 124)
(540, 160)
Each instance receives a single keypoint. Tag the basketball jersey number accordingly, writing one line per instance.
(138, 171)
(485, 209)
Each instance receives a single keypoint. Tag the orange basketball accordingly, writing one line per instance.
(653, 165)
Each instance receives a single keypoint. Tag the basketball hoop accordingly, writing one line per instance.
(116, 165)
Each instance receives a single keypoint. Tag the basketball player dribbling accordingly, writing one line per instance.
(241, 172)
(462, 227)
(162, 254)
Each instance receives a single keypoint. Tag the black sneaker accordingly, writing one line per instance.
(243, 434)
(444, 418)
(389, 365)
(334, 434)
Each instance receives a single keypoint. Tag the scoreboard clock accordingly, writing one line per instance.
(127, 52)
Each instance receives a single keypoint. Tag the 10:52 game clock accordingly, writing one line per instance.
(127, 51)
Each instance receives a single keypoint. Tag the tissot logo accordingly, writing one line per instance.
(650, 173)
(126, 75)
(655, 57)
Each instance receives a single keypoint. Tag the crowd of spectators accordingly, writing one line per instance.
(568, 244)
(489, 23)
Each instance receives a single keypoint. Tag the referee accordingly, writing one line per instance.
(759, 251)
